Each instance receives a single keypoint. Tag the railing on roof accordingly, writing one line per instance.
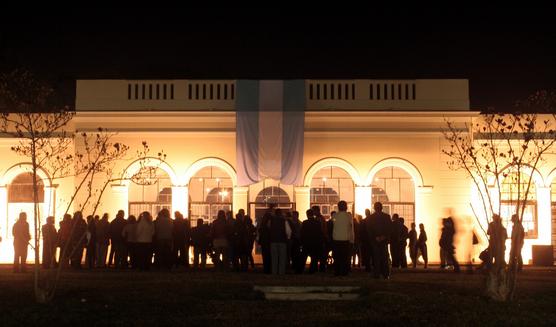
(320, 95)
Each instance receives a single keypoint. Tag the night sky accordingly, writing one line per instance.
(506, 54)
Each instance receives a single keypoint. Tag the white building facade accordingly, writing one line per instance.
(364, 141)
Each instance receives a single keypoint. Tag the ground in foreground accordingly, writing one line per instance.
(208, 298)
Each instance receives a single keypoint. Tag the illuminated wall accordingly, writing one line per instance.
(361, 143)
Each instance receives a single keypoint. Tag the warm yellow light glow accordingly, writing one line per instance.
(324, 179)
(543, 220)
(362, 199)
(7, 251)
(200, 179)
(180, 196)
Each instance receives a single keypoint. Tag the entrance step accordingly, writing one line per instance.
(307, 293)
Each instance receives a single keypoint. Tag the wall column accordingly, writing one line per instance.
(363, 200)
(120, 194)
(302, 200)
(544, 214)
(6, 246)
(50, 200)
(240, 199)
(4, 228)
(422, 205)
(180, 200)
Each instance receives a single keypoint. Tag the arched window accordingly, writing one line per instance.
(274, 195)
(395, 189)
(513, 197)
(330, 185)
(20, 190)
(266, 192)
(20, 199)
(210, 190)
(150, 190)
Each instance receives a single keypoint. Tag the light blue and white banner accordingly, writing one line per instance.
(269, 130)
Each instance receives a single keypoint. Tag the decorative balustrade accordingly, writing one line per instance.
(321, 95)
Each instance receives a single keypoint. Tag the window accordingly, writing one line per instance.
(330, 185)
(394, 188)
(150, 190)
(272, 194)
(21, 189)
(513, 194)
(210, 190)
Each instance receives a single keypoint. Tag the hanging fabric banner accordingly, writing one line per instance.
(269, 130)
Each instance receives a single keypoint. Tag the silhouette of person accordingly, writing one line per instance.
(264, 238)
(323, 261)
(78, 239)
(312, 242)
(366, 244)
(20, 232)
(496, 242)
(413, 245)
(395, 241)
(280, 233)
(403, 236)
(200, 239)
(181, 236)
(380, 229)
(447, 242)
(518, 235)
(422, 246)
(50, 243)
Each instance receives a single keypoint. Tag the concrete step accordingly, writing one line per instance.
(309, 293)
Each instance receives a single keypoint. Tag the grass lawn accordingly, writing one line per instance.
(431, 298)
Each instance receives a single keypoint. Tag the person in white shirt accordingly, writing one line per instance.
(343, 237)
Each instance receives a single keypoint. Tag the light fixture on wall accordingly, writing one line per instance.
(223, 194)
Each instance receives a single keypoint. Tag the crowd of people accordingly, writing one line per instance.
(375, 243)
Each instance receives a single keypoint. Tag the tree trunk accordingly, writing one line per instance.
(501, 280)
(40, 294)
(497, 285)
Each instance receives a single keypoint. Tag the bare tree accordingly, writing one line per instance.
(39, 129)
(43, 136)
(94, 170)
(96, 156)
(500, 151)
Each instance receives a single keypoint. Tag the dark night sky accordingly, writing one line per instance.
(506, 55)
